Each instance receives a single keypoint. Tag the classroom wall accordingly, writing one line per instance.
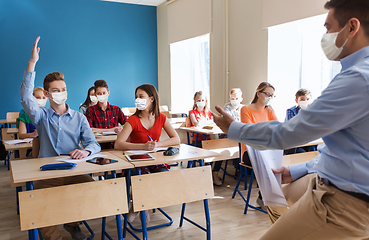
(247, 50)
(87, 40)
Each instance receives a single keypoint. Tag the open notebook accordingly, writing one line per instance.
(269, 184)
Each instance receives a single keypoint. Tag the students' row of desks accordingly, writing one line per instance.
(32, 213)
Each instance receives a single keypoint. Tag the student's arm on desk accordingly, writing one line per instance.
(88, 139)
(122, 141)
(173, 136)
(29, 102)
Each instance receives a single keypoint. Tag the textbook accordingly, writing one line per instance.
(263, 161)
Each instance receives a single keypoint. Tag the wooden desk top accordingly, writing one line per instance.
(106, 138)
(29, 169)
(177, 120)
(12, 130)
(186, 153)
(19, 146)
(312, 143)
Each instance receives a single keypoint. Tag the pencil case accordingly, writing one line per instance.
(58, 166)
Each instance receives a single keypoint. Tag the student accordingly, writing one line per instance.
(91, 100)
(303, 100)
(104, 117)
(60, 129)
(258, 111)
(233, 107)
(328, 196)
(198, 114)
(143, 129)
(26, 128)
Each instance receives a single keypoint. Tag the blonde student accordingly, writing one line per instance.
(27, 128)
(258, 110)
(200, 113)
(233, 107)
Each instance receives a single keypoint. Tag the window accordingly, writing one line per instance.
(190, 70)
(296, 60)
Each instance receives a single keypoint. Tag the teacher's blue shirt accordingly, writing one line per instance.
(340, 116)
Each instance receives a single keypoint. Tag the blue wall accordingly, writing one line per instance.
(87, 40)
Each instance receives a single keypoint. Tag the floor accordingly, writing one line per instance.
(227, 218)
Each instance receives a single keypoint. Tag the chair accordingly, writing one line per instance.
(42, 207)
(228, 149)
(287, 160)
(165, 110)
(128, 111)
(175, 187)
(11, 117)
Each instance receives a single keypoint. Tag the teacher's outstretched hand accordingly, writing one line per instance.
(222, 120)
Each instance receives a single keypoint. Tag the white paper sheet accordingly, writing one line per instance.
(145, 151)
(69, 159)
(109, 133)
(17, 141)
(269, 183)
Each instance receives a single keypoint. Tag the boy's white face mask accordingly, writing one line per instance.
(303, 104)
(102, 98)
(59, 97)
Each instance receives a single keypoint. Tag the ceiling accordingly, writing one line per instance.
(141, 2)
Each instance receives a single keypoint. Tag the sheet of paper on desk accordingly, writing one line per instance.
(145, 151)
(17, 141)
(269, 184)
(69, 159)
(109, 133)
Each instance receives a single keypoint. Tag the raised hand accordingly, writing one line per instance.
(34, 56)
(224, 120)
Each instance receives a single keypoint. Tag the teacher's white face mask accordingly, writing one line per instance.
(329, 47)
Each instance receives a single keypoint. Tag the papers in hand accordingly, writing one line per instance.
(145, 151)
(269, 184)
(26, 140)
(69, 159)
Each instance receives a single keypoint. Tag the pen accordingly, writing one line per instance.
(150, 138)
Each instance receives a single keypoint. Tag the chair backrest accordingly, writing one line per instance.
(56, 205)
(299, 157)
(128, 111)
(164, 110)
(11, 117)
(7, 136)
(188, 122)
(170, 188)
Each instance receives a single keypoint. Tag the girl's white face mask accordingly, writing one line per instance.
(41, 102)
(200, 104)
(329, 47)
(140, 104)
(93, 99)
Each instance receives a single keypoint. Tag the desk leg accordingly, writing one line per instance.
(32, 234)
(207, 214)
(8, 159)
(117, 217)
(143, 217)
(128, 182)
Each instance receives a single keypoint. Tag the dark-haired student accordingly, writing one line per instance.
(104, 117)
(143, 129)
(60, 129)
(91, 100)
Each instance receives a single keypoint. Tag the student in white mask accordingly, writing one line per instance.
(233, 107)
(258, 111)
(303, 100)
(91, 100)
(26, 128)
(104, 117)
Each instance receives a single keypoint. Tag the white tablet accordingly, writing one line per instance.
(140, 157)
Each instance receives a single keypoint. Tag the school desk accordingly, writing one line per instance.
(71, 203)
(9, 148)
(175, 187)
(12, 131)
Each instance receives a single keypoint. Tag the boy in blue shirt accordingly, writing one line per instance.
(60, 130)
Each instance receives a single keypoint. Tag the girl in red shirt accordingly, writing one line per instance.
(146, 121)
